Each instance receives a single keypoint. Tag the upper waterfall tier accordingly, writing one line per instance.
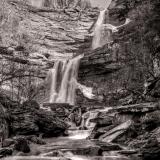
(100, 37)
(97, 38)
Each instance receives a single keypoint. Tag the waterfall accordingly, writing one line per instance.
(98, 29)
(102, 32)
(90, 115)
(62, 76)
(98, 38)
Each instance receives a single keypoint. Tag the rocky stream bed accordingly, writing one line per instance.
(115, 133)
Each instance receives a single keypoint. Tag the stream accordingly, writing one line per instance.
(75, 146)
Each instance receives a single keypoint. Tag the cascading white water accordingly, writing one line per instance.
(88, 116)
(87, 91)
(62, 75)
(86, 119)
(54, 76)
(96, 42)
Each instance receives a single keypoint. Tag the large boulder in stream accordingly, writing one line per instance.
(124, 124)
(28, 119)
(40, 121)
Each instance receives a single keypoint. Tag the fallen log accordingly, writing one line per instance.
(115, 132)
(137, 108)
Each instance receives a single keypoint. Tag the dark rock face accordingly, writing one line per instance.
(28, 119)
(109, 146)
(5, 152)
(151, 120)
(23, 120)
(36, 140)
(151, 150)
(8, 142)
(22, 145)
(50, 125)
(89, 151)
(33, 105)
(59, 109)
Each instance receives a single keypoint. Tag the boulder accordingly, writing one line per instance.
(22, 145)
(8, 142)
(23, 122)
(61, 110)
(151, 150)
(28, 119)
(5, 152)
(36, 140)
(49, 124)
(128, 152)
(109, 146)
(32, 105)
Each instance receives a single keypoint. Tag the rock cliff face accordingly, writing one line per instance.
(45, 30)
(122, 69)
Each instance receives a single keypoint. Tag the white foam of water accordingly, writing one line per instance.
(87, 91)
(79, 134)
(75, 157)
(31, 158)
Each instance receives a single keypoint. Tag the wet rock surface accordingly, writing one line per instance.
(151, 150)
(5, 152)
(8, 142)
(22, 145)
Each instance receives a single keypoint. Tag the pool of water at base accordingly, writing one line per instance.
(77, 140)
